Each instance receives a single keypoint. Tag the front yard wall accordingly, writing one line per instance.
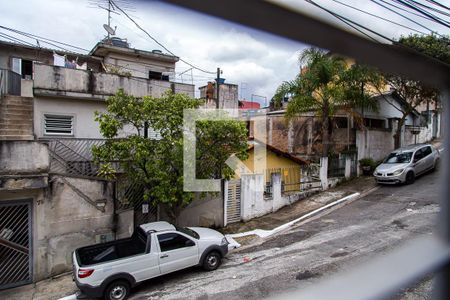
(61, 220)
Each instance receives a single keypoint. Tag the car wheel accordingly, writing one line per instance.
(410, 177)
(212, 261)
(118, 290)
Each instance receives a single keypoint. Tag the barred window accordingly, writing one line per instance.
(58, 124)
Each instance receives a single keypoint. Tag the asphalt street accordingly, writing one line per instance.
(369, 226)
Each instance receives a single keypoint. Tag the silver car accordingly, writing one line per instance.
(404, 164)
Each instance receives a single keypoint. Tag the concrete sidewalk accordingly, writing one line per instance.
(298, 209)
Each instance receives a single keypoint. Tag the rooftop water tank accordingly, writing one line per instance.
(118, 42)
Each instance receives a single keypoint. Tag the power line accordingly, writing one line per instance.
(407, 18)
(347, 21)
(435, 18)
(156, 41)
(42, 39)
(373, 15)
(432, 8)
(438, 4)
(15, 40)
(402, 9)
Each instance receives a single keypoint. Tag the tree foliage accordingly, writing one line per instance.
(326, 84)
(158, 163)
(415, 92)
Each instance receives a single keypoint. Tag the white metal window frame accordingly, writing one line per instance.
(53, 114)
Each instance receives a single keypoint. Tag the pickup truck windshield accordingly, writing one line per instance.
(188, 231)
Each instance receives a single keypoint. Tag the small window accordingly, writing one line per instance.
(157, 76)
(374, 123)
(172, 241)
(426, 151)
(23, 67)
(58, 125)
(418, 156)
(341, 122)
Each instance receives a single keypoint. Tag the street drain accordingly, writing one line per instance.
(306, 275)
(399, 224)
(339, 254)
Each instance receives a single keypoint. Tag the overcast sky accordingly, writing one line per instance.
(256, 61)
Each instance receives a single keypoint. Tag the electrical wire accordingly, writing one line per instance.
(435, 18)
(156, 41)
(403, 9)
(373, 15)
(347, 21)
(438, 4)
(407, 18)
(431, 8)
(42, 39)
(15, 40)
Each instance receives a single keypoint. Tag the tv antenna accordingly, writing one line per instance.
(109, 29)
(109, 6)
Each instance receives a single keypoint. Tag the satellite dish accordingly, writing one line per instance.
(109, 29)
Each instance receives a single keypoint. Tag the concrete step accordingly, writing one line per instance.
(8, 107)
(15, 131)
(5, 115)
(19, 101)
(16, 111)
(16, 97)
(16, 126)
(12, 122)
(16, 137)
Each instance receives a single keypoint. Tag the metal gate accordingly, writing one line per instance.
(233, 202)
(129, 195)
(15, 244)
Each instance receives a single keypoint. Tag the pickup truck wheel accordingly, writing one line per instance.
(118, 290)
(212, 261)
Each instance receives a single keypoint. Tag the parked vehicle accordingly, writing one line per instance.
(404, 164)
(111, 269)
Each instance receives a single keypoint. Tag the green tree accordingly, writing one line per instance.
(327, 84)
(415, 92)
(158, 164)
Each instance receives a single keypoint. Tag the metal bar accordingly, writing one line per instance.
(442, 290)
(273, 18)
(13, 245)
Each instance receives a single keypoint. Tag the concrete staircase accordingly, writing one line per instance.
(16, 118)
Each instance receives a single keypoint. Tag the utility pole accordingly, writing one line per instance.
(218, 87)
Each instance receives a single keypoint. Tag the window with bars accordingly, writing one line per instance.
(58, 124)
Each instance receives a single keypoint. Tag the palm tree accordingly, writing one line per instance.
(326, 84)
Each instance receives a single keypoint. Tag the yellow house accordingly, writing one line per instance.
(278, 161)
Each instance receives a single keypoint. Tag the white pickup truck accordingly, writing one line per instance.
(111, 269)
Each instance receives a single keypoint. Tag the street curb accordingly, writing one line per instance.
(314, 215)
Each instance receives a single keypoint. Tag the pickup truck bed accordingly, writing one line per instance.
(101, 253)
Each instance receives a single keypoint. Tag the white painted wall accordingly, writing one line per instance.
(83, 111)
(375, 144)
(388, 108)
(138, 66)
(253, 202)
